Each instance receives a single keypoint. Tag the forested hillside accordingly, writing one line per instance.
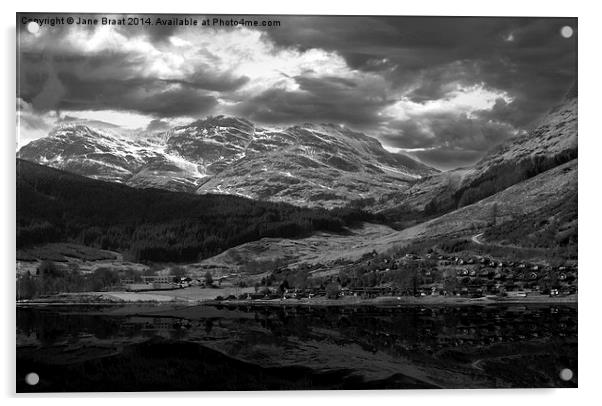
(151, 224)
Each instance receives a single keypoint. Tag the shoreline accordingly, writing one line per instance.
(392, 301)
(385, 301)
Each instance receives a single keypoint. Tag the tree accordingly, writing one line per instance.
(450, 284)
(48, 269)
(177, 272)
(103, 278)
(26, 287)
(332, 290)
(208, 278)
(283, 286)
(408, 278)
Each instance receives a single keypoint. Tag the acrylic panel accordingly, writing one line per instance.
(265, 202)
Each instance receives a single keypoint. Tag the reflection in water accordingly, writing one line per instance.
(207, 348)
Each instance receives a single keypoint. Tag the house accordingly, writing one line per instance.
(184, 282)
(162, 282)
(289, 296)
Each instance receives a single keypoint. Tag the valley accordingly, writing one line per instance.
(283, 211)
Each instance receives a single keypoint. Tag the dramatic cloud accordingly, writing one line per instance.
(444, 90)
(451, 123)
(327, 98)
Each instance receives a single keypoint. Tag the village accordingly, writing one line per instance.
(435, 273)
(378, 275)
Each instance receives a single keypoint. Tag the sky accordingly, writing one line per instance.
(443, 90)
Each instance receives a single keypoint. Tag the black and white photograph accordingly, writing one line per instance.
(265, 202)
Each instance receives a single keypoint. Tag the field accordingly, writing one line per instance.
(191, 294)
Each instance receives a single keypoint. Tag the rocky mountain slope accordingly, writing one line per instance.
(106, 155)
(553, 142)
(308, 165)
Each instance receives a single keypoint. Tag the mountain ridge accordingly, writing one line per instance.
(309, 164)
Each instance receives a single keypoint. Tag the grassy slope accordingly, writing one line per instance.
(521, 199)
(318, 248)
(546, 193)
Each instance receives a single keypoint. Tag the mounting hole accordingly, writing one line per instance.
(566, 374)
(32, 378)
(566, 31)
(33, 27)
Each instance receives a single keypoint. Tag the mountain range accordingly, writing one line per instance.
(308, 165)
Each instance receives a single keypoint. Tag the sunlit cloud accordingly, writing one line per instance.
(123, 119)
(461, 100)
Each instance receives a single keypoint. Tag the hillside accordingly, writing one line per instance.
(540, 212)
(521, 214)
(151, 224)
(551, 143)
(319, 248)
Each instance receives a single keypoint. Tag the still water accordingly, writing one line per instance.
(162, 348)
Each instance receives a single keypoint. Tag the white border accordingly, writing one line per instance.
(590, 118)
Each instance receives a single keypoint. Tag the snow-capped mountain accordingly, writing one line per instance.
(106, 155)
(310, 165)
